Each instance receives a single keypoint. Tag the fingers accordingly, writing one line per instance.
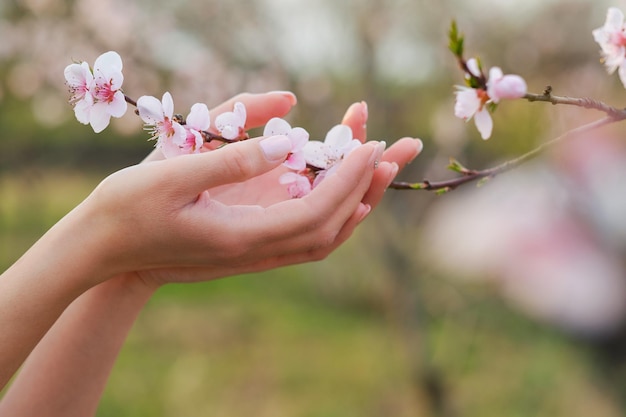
(259, 107)
(237, 162)
(322, 212)
(356, 118)
(394, 159)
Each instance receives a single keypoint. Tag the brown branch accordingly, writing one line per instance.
(476, 175)
(587, 103)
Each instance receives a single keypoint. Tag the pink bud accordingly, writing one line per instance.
(502, 86)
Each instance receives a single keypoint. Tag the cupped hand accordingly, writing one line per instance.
(221, 213)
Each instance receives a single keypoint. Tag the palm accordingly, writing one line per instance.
(263, 190)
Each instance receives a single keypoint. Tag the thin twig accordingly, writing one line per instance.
(476, 175)
(587, 103)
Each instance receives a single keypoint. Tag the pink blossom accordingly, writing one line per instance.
(328, 155)
(158, 117)
(108, 97)
(198, 120)
(298, 136)
(97, 96)
(612, 40)
(471, 103)
(231, 124)
(500, 86)
(79, 80)
(297, 185)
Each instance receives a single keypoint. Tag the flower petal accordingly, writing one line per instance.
(338, 136)
(317, 153)
(276, 126)
(99, 117)
(118, 107)
(484, 123)
(167, 105)
(150, 109)
(198, 117)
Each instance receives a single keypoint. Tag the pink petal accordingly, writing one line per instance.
(277, 126)
(484, 123)
(118, 107)
(614, 20)
(299, 137)
(506, 87)
(295, 161)
(78, 75)
(167, 105)
(82, 109)
(467, 103)
(338, 136)
(317, 153)
(199, 118)
(240, 112)
(99, 117)
(150, 110)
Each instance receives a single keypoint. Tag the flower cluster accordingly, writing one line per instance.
(311, 161)
(97, 96)
(481, 95)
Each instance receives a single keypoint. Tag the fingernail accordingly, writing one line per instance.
(377, 153)
(394, 171)
(365, 211)
(418, 149)
(358, 110)
(275, 147)
(288, 95)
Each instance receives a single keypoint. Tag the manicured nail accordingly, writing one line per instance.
(394, 171)
(288, 95)
(419, 145)
(365, 211)
(275, 147)
(380, 148)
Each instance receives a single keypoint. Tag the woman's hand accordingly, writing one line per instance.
(220, 213)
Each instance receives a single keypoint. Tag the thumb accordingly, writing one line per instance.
(235, 162)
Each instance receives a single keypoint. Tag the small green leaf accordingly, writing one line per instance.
(456, 166)
(456, 40)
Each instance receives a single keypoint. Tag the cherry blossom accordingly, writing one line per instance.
(109, 101)
(230, 125)
(327, 155)
(473, 102)
(198, 120)
(298, 185)
(470, 102)
(97, 95)
(79, 80)
(502, 86)
(612, 40)
(158, 117)
(298, 136)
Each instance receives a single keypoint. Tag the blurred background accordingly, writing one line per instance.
(508, 299)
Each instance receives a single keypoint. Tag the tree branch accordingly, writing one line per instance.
(485, 174)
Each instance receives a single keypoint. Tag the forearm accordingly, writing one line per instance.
(66, 373)
(42, 283)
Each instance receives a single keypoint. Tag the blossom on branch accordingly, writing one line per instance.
(328, 155)
(159, 119)
(298, 136)
(477, 100)
(612, 40)
(97, 95)
(231, 124)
